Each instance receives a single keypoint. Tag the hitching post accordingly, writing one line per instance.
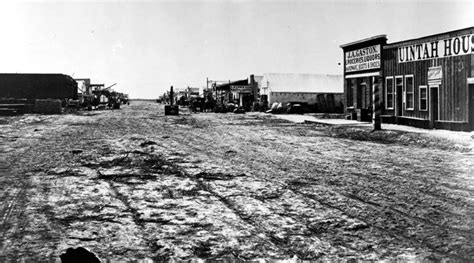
(376, 104)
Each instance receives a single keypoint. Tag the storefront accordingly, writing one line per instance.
(224, 93)
(428, 82)
(362, 73)
(242, 96)
(243, 93)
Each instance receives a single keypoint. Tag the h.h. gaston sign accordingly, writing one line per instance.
(363, 59)
(455, 46)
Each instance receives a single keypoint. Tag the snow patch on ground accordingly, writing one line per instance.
(461, 138)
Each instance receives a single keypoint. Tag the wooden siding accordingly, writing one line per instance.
(346, 94)
(453, 91)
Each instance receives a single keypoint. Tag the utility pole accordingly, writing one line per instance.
(215, 87)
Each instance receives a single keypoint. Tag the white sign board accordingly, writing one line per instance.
(435, 73)
(363, 59)
(241, 89)
(454, 46)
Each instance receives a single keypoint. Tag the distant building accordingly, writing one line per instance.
(180, 97)
(229, 92)
(84, 90)
(191, 92)
(37, 86)
(311, 89)
(244, 92)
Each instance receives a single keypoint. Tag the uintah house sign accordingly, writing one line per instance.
(363, 59)
(455, 46)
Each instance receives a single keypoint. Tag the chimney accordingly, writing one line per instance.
(252, 79)
(254, 87)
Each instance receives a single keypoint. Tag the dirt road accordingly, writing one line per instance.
(135, 184)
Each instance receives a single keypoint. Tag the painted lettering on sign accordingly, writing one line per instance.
(435, 73)
(241, 89)
(363, 59)
(455, 46)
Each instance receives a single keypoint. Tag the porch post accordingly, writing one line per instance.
(376, 119)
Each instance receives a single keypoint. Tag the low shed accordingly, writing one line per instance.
(311, 89)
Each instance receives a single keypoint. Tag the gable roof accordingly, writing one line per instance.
(305, 83)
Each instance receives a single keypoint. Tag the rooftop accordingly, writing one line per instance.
(364, 40)
(308, 83)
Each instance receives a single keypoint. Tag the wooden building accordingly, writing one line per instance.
(37, 86)
(243, 93)
(426, 82)
(362, 70)
(192, 92)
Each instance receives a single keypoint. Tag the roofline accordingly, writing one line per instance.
(40, 74)
(363, 40)
(292, 91)
(433, 35)
(311, 74)
(230, 83)
(16, 73)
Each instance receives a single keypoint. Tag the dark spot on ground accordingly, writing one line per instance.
(147, 143)
(78, 255)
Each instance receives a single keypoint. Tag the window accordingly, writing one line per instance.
(423, 98)
(389, 93)
(410, 96)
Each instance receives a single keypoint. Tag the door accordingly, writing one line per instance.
(399, 102)
(359, 96)
(471, 107)
(434, 105)
(246, 101)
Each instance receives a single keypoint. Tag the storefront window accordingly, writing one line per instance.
(410, 100)
(423, 98)
(389, 94)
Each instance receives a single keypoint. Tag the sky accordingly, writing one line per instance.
(147, 46)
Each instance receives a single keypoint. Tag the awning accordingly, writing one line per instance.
(362, 75)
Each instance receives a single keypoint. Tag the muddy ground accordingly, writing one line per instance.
(134, 184)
